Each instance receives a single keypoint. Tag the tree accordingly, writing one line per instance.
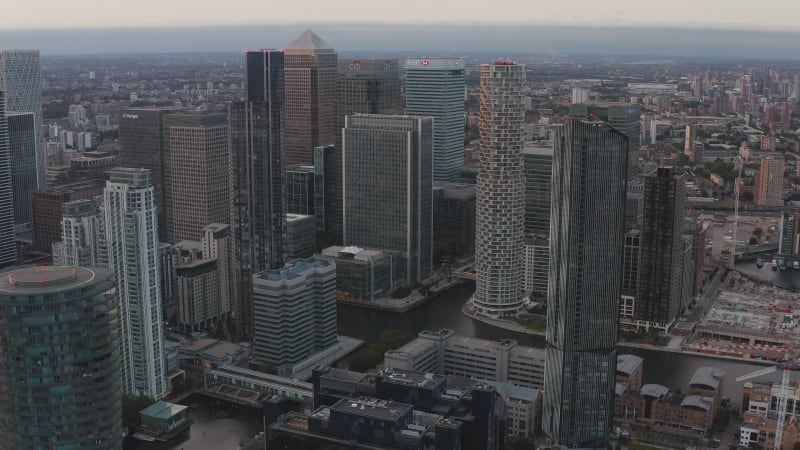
(268, 367)
(758, 231)
(131, 407)
(521, 443)
(753, 241)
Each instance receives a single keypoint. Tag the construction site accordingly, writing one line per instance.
(748, 319)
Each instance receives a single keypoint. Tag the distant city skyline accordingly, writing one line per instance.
(774, 14)
(418, 39)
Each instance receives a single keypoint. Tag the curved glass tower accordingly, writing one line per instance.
(59, 359)
(586, 243)
(500, 213)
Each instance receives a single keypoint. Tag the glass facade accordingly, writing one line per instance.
(59, 359)
(621, 116)
(300, 190)
(8, 249)
(586, 245)
(22, 145)
(142, 145)
(661, 262)
(388, 188)
(538, 172)
(435, 88)
(453, 221)
(362, 87)
(257, 179)
(21, 79)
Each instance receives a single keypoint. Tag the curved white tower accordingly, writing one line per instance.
(500, 215)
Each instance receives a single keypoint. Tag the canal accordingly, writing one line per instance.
(670, 369)
(673, 370)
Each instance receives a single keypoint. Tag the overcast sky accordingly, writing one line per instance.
(771, 15)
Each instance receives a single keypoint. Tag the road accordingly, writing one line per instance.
(707, 296)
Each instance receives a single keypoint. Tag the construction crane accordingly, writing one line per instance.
(736, 189)
(785, 368)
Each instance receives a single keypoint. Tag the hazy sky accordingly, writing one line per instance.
(769, 15)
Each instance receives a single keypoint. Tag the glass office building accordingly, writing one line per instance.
(388, 190)
(586, 244)
(435, 88)
(257, 179)
(20, 77)
(8, 249)
(22, 145)
(59, 359)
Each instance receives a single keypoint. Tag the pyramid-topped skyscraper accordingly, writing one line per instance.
(310, 74)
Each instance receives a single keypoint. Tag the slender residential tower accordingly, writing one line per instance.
(257, 180)
(500, 214)
(131, 231)
(586, 243)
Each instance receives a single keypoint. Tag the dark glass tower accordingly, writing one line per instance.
(59, 359)
(659, 298)
(586, 242)
(22, 145)
(257, 174)
(388, 188)
(142, 146)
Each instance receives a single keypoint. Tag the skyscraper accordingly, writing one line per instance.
(310, 74)
(20, 77)
(661, 263)
(388, 190)
(538, 163)
(131, 233)
(363, 86)
(8, 249)
(586, 243)
(435, 88)
(22, 145)
(769, 182)
(257, 174)
(60, 378)
(142, 145)
(197, 148)
(500, 214)
(622, 116)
